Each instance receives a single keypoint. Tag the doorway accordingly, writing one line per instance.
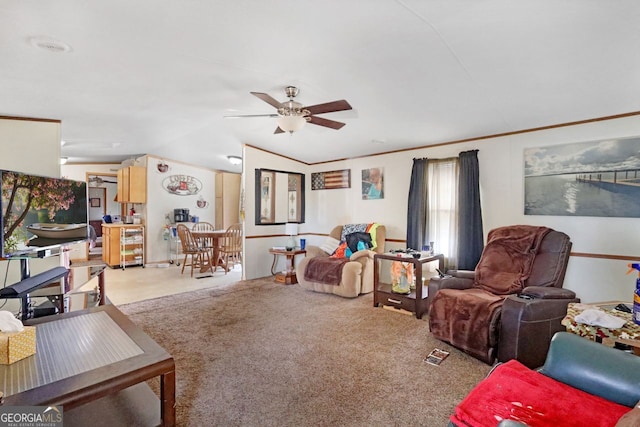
(103, 188)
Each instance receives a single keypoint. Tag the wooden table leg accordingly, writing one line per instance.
(290, 260)
(168, 398)
(205, 266)
(273, 264)
(103, 297)
(217, 260)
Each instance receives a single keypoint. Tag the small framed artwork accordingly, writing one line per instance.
(373, 183)
(331, 180)
(265, 206)
(94, 202)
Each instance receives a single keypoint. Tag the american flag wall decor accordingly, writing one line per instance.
(331, 180)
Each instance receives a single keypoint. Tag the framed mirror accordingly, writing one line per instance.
(279, 197)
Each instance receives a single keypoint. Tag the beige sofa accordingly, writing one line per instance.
(357, 274)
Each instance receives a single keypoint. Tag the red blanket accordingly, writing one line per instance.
(515, 392)
(325, 270)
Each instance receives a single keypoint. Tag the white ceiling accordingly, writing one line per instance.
(157, 76)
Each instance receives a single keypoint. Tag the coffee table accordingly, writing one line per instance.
(91, 359)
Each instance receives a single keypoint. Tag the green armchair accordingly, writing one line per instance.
(581, 364)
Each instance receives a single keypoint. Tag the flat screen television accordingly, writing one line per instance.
(38, 212)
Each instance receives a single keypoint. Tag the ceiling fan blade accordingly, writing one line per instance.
(267, 98)
(325, 122)
(278, 130)
(328, 107)
(251, 115)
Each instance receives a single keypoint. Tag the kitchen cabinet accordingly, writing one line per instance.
(227, 199)
(132, 184)
(112, 245)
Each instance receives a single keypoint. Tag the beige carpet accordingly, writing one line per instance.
(258, 353)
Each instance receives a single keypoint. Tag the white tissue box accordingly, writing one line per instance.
(17, 345)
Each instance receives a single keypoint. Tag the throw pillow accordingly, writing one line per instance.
(330, 245)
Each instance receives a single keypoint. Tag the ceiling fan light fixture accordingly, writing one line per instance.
(234, 160)
(291, 123)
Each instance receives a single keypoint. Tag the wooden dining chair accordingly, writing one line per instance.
(231, 248)
(206, 242)
(190, 247)
(202, 226)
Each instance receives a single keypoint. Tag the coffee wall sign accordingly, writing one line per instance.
(182, 185)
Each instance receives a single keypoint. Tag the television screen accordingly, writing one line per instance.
(37, 212)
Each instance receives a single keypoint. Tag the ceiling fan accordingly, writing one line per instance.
(292, 116)
(99, 181)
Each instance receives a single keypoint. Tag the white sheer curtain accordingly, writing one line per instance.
(443, 208)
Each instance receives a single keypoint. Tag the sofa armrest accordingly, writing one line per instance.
(314, 251)
(527, 325)
(448, 282)
(595, 368)
(462, 274)
(547, 292)
(436, 283)
(362, 253)
(365, 258)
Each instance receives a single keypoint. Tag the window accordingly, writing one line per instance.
(442, 207)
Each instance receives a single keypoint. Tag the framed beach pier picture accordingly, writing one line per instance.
(599, 178)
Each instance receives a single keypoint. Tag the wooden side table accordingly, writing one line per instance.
(417, 301)
(287, 277)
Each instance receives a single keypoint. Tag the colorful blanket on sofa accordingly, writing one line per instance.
(325, 270)
(356, 237)
(513, 391)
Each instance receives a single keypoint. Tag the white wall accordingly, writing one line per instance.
(79, 171)
(30, 146)
(161, 203)
(502, 185)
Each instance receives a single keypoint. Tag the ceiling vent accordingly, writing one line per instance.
(49, 44)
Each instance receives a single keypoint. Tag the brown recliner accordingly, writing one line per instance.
(515, 322)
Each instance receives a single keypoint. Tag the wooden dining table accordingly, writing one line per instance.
(214, 236)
